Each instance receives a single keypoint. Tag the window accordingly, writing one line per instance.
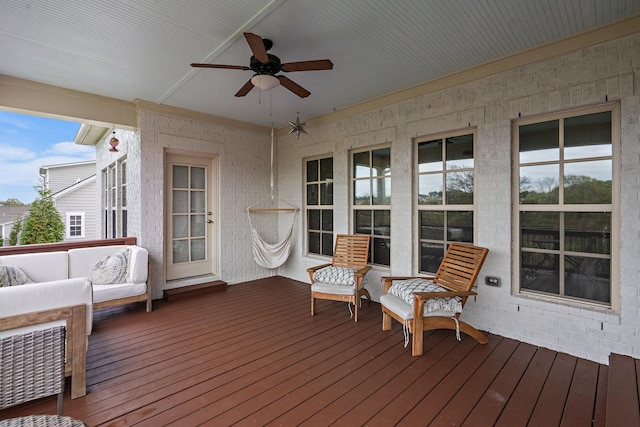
(319, 206)
(566, 204)
(445, 195)
(75, 225)
(372, 201)
(114, 200)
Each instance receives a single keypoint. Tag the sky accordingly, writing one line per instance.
(29, 142)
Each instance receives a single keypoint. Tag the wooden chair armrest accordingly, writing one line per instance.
(388, 280)
(311, 270)
(447, 294)
(362, 271)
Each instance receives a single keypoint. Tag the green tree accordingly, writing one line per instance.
(11, 202)
(15, 230)
(43, 223)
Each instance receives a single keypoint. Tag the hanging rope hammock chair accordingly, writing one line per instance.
(266, 254)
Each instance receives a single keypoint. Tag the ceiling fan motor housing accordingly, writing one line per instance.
(271, 68)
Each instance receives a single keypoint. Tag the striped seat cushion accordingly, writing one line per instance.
(332, 275)
(404, 290)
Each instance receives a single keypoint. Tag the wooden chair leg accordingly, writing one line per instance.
(313, 305)
(386, 322)
(356, 305)
(417, 339)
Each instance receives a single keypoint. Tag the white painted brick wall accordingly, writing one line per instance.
(244, 174)
(586, 77)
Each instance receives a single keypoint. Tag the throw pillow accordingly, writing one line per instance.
(13, 276)
(332, 275)
(111, 269)
(404, 290)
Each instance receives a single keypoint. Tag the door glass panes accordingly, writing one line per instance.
(197, 178)
(197, 225)
(197, 249)
(197, 201)
(180, 201)
(180, 226)
(189, 216)
(180, 177)
(180, 251)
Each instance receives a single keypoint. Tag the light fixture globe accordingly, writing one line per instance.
(265, 81)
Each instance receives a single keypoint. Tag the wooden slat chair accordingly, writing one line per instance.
(426, 303)
(342, 279)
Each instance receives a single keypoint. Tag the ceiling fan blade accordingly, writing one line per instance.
(320, 64)
(245, 89)
(257, 47)
(229, 67)
(293, 87)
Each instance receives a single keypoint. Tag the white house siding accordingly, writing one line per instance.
(82, 199)
(62, 176)
(581, 78)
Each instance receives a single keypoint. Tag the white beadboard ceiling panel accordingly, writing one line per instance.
(141, 49)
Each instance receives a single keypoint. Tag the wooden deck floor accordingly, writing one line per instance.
(252, 355)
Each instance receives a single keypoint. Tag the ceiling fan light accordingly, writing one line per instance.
(265, 81)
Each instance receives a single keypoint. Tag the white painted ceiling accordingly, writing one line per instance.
(141, 49)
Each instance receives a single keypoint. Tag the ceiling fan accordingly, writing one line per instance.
(266, 66)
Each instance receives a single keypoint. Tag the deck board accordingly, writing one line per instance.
(253, 355)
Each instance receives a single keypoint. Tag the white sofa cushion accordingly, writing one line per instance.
(41, 266)
(36, 297)
(102, 293)
(81, 260)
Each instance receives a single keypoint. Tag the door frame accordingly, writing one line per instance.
(211, 161)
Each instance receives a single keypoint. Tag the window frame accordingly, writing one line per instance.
(68, 225)
(372, 207)
(319, 206)
(444, 206)
(114, 199)
(563, 208)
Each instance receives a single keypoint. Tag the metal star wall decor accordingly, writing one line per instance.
(298, 127)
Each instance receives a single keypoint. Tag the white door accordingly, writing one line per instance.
(191, 216)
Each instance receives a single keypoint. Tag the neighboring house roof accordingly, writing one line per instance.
(9, 214)
(64, 165)
(74, 187)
